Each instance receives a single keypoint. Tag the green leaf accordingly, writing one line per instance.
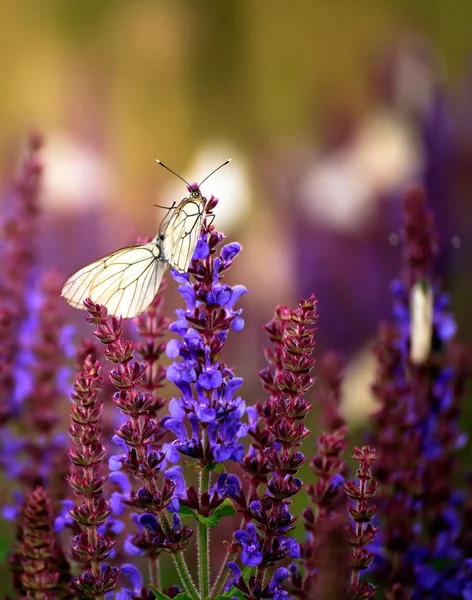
(218, 467)
(210, 521)
(160, 595)
(182, 596)
(232, 593)
(185, 511)
(225, 509)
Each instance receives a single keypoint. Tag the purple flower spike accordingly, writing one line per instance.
(87, 454)
(207, 385)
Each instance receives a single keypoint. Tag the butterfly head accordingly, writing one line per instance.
(194, 190)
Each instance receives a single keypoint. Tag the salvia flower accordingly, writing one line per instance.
(264, 540)
(87, 480)
(208, 400)
(136, 436)
(361, 533)
(42, 569)
(419, 395)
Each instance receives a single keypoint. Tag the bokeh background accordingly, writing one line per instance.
(328, 110)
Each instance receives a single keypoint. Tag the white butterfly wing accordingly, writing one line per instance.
(182, 232)
(125, 281)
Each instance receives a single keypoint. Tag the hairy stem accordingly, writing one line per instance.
(204, 543)
(154, 577)
(180, 564)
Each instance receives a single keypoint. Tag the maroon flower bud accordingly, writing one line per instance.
(42, 560)
(87, 480)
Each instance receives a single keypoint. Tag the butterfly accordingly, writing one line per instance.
(127, 281)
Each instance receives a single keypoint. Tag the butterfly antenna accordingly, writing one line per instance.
(176, 174)
(213, 172)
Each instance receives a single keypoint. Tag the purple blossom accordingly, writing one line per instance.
(228, 485)
(207, 387)
(275, 584)
(251, 554)
(236, 575)
(133, 574)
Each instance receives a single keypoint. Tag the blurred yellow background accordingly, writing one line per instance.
(281, 87)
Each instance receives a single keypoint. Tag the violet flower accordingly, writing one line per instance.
(33, 451)
(136, 437)
(206, 417)
(208, 402)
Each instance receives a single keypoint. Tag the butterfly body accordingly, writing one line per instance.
(183, 228)
(126, 281)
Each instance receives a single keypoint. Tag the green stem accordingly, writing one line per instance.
(154, 578)
(180, 564)
(204, 544)
(184, 575)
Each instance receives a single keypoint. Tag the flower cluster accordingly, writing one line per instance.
(274, 457)
(325, 522)
(208, 399)
(33, 449)
(361, 533)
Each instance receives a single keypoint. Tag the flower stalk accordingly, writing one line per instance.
(88, 481)
(42, 561)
